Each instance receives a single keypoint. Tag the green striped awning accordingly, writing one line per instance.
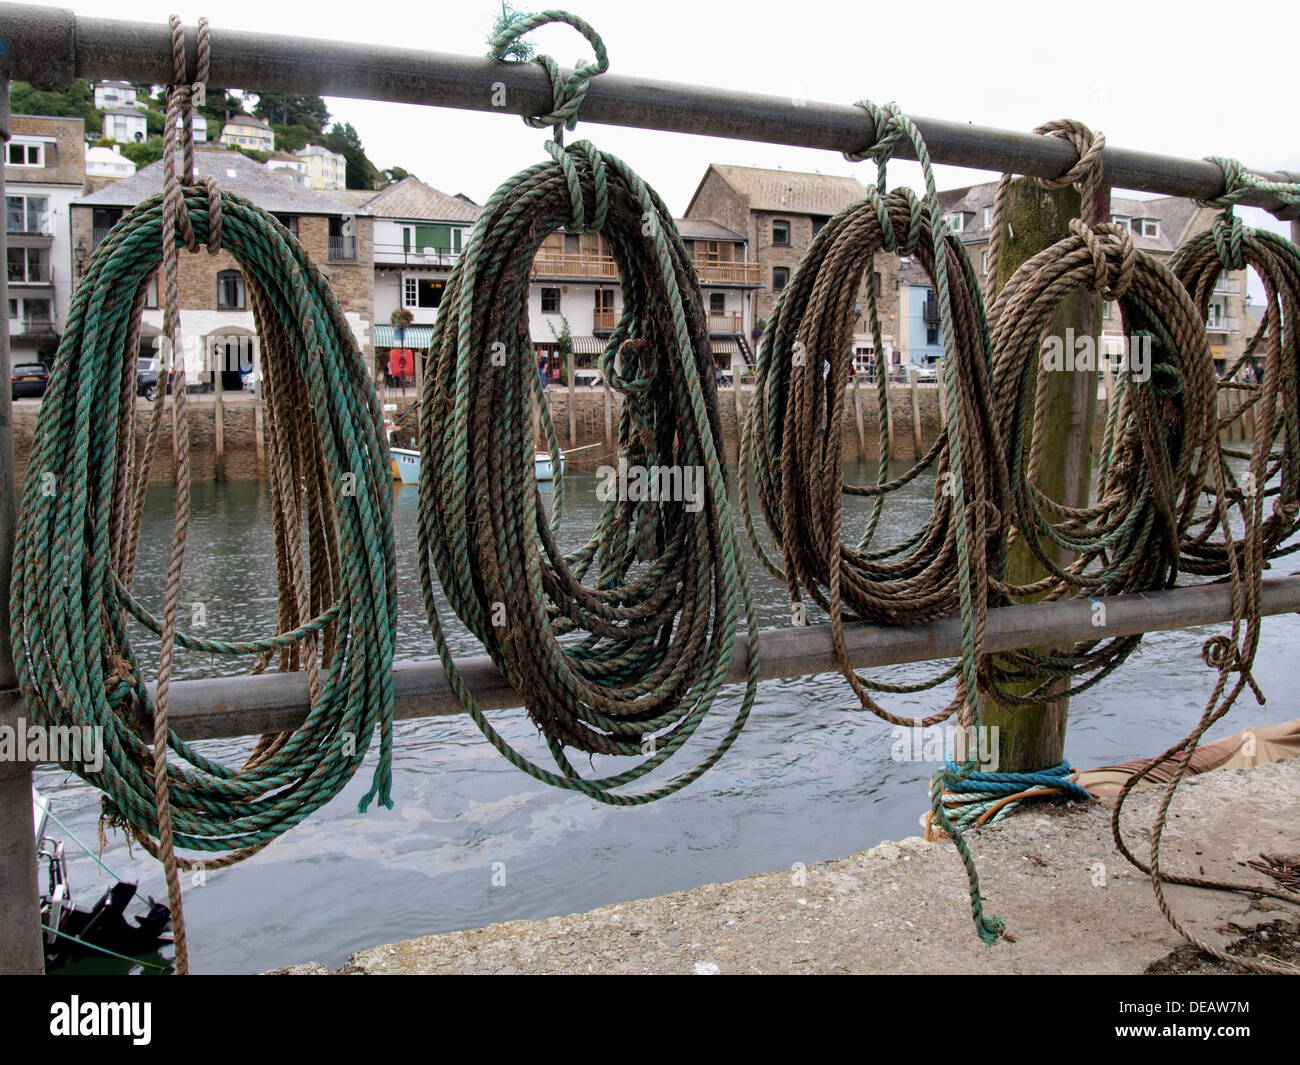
(413, 336)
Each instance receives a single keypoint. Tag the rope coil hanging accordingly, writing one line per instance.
(791, 449)
(76, 547)
(620, 647)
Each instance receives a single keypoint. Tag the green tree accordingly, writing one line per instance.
(309, 111)
(396, 174)
(76, 101)
(144, 154)
(361, 172)
(291, 138)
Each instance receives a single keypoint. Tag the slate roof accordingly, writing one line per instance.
(705, 229)
(270, 189)
(412, 198)
(790, 190)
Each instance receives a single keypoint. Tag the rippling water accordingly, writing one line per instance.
(810, 778)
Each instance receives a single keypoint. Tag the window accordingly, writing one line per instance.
(28, 214)
(1150, 227)
(1213, 315)
(550, 301)
(988, 217)
(954, 221)
(441, 240)
(423, 292)
(13, 308)
(37, 311)
(780, 231)
(151, 293)
(230, 290)
(25, 265)
(605, 300)
(25, 153)
(717, 304)
(875, 283)
(932, 333)
(102, 219)
(1122, 220)
(289, 221)
(780, 277)
(1105, 309)
(819, 223)
(984, 262)
(342, 239)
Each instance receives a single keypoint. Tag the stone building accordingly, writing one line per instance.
(1158, 226)
(215, 309)
(44, 171)
(778, 212)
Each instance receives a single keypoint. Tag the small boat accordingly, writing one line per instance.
(71, 934)
(406, 465)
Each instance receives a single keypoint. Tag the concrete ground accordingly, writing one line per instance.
(1068, 897)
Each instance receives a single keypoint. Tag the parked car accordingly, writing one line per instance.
(927, 373)
(146, 377)
(29, 379)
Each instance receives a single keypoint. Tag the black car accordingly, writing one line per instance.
(146, 377)
(29, 379)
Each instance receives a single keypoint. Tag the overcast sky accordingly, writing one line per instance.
(1185, 79)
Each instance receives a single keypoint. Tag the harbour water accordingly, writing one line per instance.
(471, 840)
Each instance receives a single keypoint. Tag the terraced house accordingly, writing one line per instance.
(215, 310)
(44, 171)
(1158, 226)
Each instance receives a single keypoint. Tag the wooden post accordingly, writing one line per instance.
(943, 400)
(219, 422)
(857, 411)
(609, 417)
(740, 408)
(573, 418)
(884, 368)
(420, 354)
(1033, 738)
(917, 449)
(259, 431)
(21, 949)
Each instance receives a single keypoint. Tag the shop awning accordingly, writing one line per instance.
(413, 336)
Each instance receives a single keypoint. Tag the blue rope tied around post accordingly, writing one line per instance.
(976, 798)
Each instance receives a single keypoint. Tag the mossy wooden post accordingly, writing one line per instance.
(1033, 738)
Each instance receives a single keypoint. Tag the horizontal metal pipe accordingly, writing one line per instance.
(250, 705)
(50, 47)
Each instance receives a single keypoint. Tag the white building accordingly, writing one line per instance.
(324, 169)
(245, 131)
(111, 94)
(291, 166)
(126, 125)
(44, 171)
(108, 163)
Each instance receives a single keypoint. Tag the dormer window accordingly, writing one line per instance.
(1122, 220)
(954, 221)
(1150, 227)
(25, 153)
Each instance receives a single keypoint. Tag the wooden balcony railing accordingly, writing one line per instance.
(603, 321)
(594, 267)
(732, 322)
(727, 273)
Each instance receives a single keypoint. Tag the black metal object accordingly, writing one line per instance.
(50, 47)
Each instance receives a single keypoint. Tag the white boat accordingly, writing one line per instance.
(406, 465)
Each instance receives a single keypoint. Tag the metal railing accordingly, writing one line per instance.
(342, 249)
(1223, 324)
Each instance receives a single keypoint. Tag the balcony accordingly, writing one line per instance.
(603, 321)
(30, 224)
(724, 273)
(930, 310)
(1230, 286)
(580, 267)
(1223, 325)
(399, 255)
(343, 249)
(31, 326)
(731, 322)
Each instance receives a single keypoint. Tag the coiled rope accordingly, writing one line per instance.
(791, 449)
(618, 648)
(77, 537)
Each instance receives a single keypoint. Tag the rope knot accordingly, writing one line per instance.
(567, 94)
(1219, 652)
(636, 368)
(889, 131)
(1086, 171)
(1227, 232)
(1114, 256)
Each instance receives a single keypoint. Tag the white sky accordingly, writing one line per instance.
(1181, 79)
